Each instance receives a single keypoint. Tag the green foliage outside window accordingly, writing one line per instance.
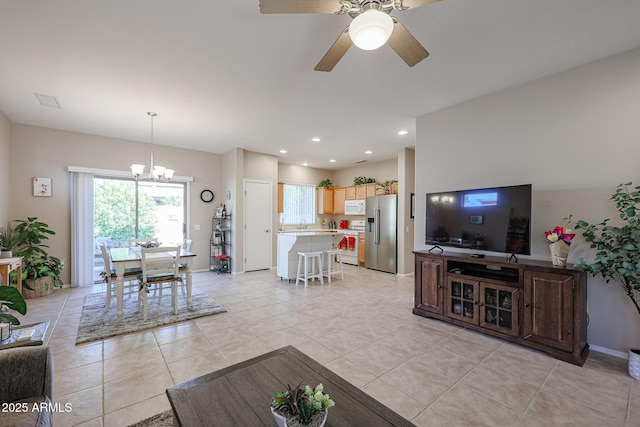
(115, 211)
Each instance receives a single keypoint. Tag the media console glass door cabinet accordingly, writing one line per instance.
(529, 302)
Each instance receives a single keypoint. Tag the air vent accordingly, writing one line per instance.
(361, 161)
(48, 100)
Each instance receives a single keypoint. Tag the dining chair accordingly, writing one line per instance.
(109, 275)
(160, 273)
(186, 244)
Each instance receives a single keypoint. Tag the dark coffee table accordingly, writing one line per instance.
(240, 395)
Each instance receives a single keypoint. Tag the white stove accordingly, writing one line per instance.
(349, 244)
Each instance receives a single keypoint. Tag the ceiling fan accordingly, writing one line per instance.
(372, 26)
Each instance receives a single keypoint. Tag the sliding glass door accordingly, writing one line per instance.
(125, 209)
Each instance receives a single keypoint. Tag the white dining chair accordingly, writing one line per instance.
(160, 273)
(130, 278)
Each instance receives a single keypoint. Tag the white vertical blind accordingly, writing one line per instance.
(82, 229)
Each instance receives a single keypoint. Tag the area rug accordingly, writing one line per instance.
(95, 324)
(163, 419)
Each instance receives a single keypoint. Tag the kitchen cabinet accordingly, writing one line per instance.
(361, 192)
(325, 200)
(339, 194)
(361, 256)
(280, 197)
(528, 302)
(350, 193)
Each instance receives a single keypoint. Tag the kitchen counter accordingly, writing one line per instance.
(294, 241)
(309, 232)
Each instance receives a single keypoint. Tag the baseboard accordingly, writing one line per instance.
(614, 353)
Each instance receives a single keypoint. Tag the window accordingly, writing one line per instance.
(126, 209)
(299, 204)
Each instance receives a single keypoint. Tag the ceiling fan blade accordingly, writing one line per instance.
(412, 4)
(335, 52)
(405, 45)
(300, 6)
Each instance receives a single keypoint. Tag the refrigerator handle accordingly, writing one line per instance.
(376, 235)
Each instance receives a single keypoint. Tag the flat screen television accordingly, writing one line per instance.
(487, 219)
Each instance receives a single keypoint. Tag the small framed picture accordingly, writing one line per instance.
(41, 187)
(476, 219)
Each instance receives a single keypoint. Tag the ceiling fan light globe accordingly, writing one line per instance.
(371, 29)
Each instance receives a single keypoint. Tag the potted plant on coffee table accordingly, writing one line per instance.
(617, 257)
(40, 271)
(301, 406)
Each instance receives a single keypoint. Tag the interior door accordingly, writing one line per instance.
(258, 216)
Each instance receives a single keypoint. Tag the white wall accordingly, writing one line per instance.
(5, 170)
(406, 186)
(45, 152)
(381, 171)
(574, 136)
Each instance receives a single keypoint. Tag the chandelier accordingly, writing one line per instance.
(156, 173)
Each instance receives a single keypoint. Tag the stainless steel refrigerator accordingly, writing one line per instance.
(381, 233)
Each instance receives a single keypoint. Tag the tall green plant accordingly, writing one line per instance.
(30, 244)
(618, 248)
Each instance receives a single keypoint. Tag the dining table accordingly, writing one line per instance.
(130, 257)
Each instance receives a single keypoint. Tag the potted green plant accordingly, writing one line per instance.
(617, 257)
(7, 241)
(40, 271)
(301, 406)
(386, 185)
(11, 299)
(325, 183)
(361, 180)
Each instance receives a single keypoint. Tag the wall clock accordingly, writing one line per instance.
(206, 196)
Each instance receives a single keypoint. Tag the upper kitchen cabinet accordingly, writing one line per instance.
(280, 197)
(365, 190)
(350, 193)
(325, 201)
(339, 196)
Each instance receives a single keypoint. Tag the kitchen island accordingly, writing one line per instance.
(292, 242)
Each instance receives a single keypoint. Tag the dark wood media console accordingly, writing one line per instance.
(529, 302)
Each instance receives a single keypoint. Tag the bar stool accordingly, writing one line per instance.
(304, 258)
(333, 255)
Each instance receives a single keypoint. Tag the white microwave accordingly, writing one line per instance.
(354, 207)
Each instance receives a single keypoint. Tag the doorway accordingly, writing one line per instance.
(258, 241)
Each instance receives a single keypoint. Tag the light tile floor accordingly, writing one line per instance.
(362, 328)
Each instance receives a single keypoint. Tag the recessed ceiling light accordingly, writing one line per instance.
(48, 100)
(283, 151)
(368, 152)
(403, 132)
(316, 139)
(332, 160)
(305, 164)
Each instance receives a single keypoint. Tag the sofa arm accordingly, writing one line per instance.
(26, 372)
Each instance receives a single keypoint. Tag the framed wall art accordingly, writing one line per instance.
(41, 187)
